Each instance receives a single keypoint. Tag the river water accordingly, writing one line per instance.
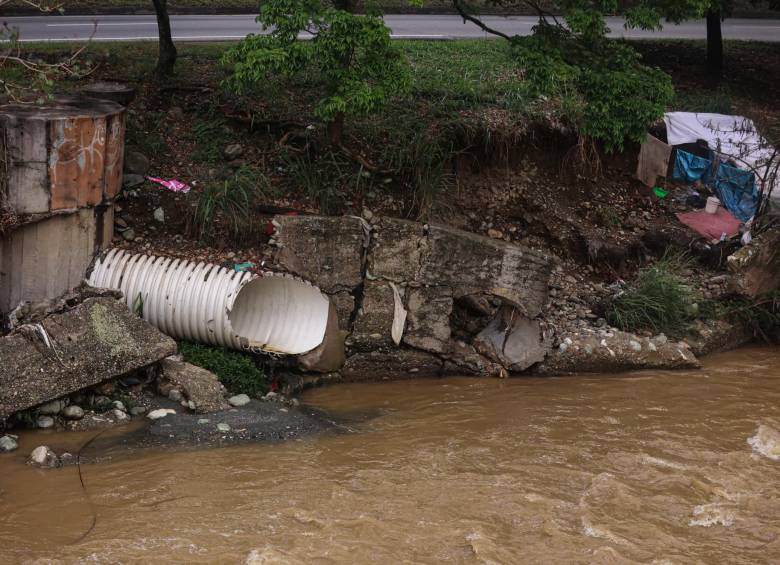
(650, 467)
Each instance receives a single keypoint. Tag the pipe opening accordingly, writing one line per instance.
(280, 314)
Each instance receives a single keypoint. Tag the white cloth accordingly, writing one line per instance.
(733, 137)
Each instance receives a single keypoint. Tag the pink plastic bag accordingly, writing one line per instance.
(173, 185)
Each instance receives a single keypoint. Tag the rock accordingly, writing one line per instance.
(330, 355)
(222, 427)
(374, 322)
(52, 408)
(756, 267)
(131, 181)
(233, 151)
(128, 234)
(513, 340)
(428, 320)
(160, 413)
(67, 459)
(199, 385)
(43, 456)
(73, 412)
(239, 400)
(136, 163)
(7, 443)
(45, 422)
(138, 410)
(635, 346)
(119, 405)
(175, 395)
(100, 338)
(176, 113)
(495, 234)
(120, 223)
(271, 396)
(393, 364)
(202, 421)
(159, 215)
(119, 415)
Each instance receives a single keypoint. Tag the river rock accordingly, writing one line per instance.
(73, 412)
(239, 400)
(43, 456)
(224, 428)
(52, 408)
(138, 410)
(175, 395)
(136, 163)
(119, 405)
(159, 215)
(513, 340)
(119, 415)
(8, 443)
(199, 385)
(45, 422)
(160, 413)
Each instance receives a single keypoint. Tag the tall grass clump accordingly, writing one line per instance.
(658, 299)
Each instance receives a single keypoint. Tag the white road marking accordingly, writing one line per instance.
(102, 24)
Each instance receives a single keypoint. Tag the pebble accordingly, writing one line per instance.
(203, 421)
(495, 234)
(128, 234)
(159, 215)
(43, 456)
(175, 395)
(45, 422)
(233, 151)
(271, 396)
(8, 443)
(222, 427)
(119, 405)
(73, 412)
(120, 415)
(160, 413)
(635, 345)
(138, 410)
(239, 400)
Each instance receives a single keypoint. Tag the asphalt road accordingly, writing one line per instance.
(221, 28)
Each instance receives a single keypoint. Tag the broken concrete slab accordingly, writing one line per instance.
(325, 250)
(330, 355)
(396, 250)
(514, 341)
(97, 340)
(428, 320)
(393, 364)
(344, 302)
(472, 264)
(198, 385)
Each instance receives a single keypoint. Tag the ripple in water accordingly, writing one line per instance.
(766, 442)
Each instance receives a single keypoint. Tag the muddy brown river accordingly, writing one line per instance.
(648, 467)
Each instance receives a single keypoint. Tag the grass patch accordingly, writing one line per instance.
(226, 207)
(657, 300)
(236, 370)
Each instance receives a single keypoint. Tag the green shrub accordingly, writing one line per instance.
(236, 370)
(657, 299)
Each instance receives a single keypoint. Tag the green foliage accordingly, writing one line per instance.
(227, 205)
(718, 102)
(236, 370)
(607, 93)
(760, 314)
(210, 138)
(657, 299)
(352, 54)
(143, 134)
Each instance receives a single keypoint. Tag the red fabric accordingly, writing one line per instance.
(711, 226)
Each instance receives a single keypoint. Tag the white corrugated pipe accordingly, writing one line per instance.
(210, 304)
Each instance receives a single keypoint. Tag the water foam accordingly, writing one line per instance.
(766, 442)
(707, 515)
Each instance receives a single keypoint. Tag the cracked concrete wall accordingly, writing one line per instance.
(432, 266)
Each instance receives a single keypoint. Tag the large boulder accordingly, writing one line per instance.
(99, 339)
(198, 385)
(514, 341)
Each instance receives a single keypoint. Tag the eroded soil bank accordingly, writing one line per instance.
(637, 467)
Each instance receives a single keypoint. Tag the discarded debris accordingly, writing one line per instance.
(173, 185)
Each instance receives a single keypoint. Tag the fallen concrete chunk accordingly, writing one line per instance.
(97, 340)
(373, 325)
(428, 322)
(199, 385)
(330, 355)
(512, 340)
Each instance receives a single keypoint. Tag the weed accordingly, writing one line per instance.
(323, 178)
(236, 370)
(609, 216)
(718, 102)
(761, 314)
(210, 138)
(657, 299)
(145, 138)
(228, 204)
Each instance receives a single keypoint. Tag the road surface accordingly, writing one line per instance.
(232, 27)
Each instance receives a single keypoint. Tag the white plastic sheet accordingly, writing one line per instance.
(733, 137)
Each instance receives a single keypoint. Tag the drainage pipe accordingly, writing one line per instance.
(210, 304)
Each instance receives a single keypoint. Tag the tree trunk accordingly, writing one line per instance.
(336, 129)
(167, 57)
(714, 45)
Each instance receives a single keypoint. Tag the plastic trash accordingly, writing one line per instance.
(173, 185)
(660, 192)
(243, 267)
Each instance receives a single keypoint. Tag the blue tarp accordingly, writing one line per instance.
(689, 167)
(736, 189)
